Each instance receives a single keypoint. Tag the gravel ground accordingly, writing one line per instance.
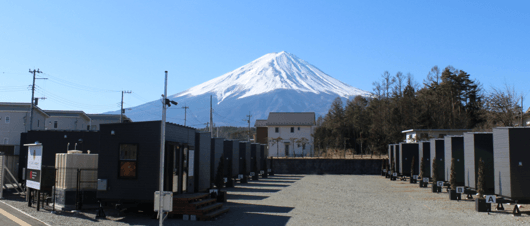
(317, 200)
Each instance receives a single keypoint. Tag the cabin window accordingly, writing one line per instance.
(276, 129)
(55, 124)
(128, 161)
(7, 119)
(291, 129)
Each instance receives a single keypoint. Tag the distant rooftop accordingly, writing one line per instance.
(261, 122)
(437, 130)
(291, 118)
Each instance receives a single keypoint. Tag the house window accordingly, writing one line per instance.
(89, 127)
(303, 146)
(7, 119)
(128, 161)
(276, 129)
(55, 124)
(38, 122)
(291, 129)
(298, 128)
(6, 140)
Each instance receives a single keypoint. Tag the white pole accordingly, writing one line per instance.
(161, 162)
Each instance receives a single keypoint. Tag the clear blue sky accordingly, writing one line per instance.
(97, 47)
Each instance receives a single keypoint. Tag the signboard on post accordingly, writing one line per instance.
(439, 183)
(460, 189)
(425, 179)
(415, 177)
(33, 178)
(491, 199)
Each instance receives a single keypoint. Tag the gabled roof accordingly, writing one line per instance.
(261, 122)
(13, 106)
(291, 119)
(61, 113)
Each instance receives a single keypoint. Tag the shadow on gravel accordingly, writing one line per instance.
(245, 197)
(262, 185)
(275, 181)
(241, 189)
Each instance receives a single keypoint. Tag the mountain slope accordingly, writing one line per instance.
(274, 82)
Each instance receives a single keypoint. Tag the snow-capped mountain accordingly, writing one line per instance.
(275, 82)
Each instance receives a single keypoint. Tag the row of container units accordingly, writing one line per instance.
(128, 156)
(505, 153)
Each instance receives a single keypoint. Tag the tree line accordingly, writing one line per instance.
(447, 99)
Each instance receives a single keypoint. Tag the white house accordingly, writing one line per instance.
(290, 133)
(67, 120)
(15, 119)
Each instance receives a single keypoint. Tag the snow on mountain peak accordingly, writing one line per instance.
(273, 71)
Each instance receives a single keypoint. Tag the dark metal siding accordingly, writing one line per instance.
(54, 142)
(244, 154)
(511, 146)
(217, 149)
(147, 136)
(202, 162)
(231, 153)
(255, 158)
(454, 148)
(424, 155)
(408, 152)
(437, 152)
(264, 157)
(395, 157)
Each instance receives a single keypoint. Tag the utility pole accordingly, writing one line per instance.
(185, 107)
(210, 128)
(122, 111)
(33, 94)
(249, 126)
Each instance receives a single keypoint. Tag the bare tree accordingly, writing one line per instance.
(502, 106)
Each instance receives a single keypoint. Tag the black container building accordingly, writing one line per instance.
(407, 152)
(255, 158)
(454, 148)
(129, 161)
(437, 152)
(217, 149)
(264, 158)
(391, 155)
(202, 162)
(245, 155)
(476, 146)
(511, 152)
(424, 155)
(231, 154)
(56, 141)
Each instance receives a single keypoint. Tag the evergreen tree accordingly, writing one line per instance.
(453, 175)
(422, 169)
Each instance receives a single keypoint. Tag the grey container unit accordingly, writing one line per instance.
(437, 151)
(231, 150)
(202, 162)
(255, 158)
(424, 155)
(511, 152)
(476, 146)
(217, 149)
(407, 152)
(454, 148)
(244, 154)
